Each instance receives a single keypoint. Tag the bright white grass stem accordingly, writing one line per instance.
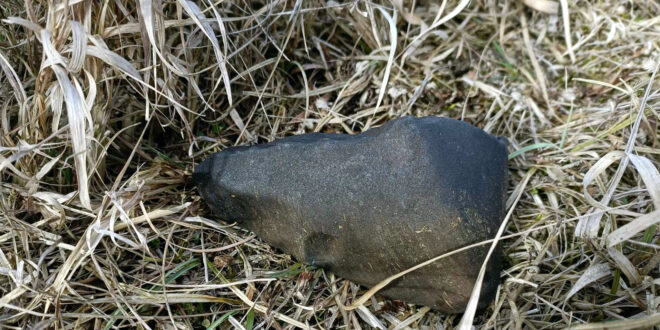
(78, 46)
(545, 6)
(471, 309)
(14, 81)
(438, 22)
(567, 29)
(196, 14)
(595, 272)
(588, 227)
(75, 109)
(390, 60)
(19, 92)
(146, 9)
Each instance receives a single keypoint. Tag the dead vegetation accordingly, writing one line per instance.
(106, 106)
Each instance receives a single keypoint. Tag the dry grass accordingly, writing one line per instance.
(106, 106)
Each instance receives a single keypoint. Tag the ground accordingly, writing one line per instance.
(106, 107)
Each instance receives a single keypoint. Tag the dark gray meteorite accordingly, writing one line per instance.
(368, 206)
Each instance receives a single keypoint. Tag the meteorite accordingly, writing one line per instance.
(370, 205)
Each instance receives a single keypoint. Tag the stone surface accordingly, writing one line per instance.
(371, 205)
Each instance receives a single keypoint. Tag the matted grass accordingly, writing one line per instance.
(106, 107)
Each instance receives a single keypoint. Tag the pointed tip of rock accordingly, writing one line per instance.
(202, 173)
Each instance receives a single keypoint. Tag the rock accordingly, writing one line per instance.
(368, 206)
